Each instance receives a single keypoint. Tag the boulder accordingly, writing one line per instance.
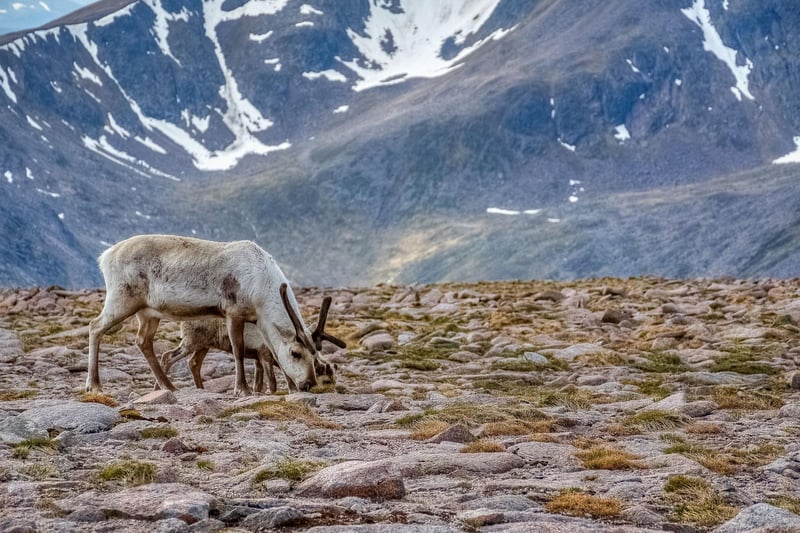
(373, 480)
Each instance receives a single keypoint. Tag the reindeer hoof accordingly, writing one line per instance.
(241, 392)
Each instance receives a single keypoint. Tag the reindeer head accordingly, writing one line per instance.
(298, 358)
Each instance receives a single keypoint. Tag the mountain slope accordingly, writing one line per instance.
(410, 141)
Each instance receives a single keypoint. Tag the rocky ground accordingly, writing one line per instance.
(620, 405)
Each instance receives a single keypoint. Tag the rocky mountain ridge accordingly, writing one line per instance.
(408, 141)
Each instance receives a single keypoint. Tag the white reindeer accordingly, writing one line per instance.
(181, 278)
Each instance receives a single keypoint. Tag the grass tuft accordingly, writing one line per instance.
(602, 457)
(9, 395)
(655, 420)
(696, 502)
(159, 432)
(281, 410)
(661, 362)
(289, 469)
(204, 464)
(97, 397)
(22, 450)
(736, 398)
(129, 473)
(483, 445)
(575, 503)
(790, 503)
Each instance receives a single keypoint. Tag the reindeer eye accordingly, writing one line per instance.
(297, 355)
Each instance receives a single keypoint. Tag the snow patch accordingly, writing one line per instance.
(331, 75)
(87, 74)
(532, 211)
(5, 77)
(28, 173)
(499, 211)
(570, 147)
(35, 125)
(306, 9)
(260, 37)
(397, 45)
(792, 157)
(341, 109)
(161, 25)
(48, 193)
(712, 42)
(622, 134)
(9, 176)
(305, 24)
(633, 67)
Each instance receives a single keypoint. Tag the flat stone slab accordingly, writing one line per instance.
(155, 501)
(371, 480)
(418, 464)
(81, 417)
(547, 453)
(15, 429)
(761, 515)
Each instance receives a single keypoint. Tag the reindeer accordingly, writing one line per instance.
(200, 336)
(181, 278)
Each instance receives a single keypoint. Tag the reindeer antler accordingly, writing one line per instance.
(299, 330)
(319, 334)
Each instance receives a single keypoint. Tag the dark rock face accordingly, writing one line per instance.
(631, 145)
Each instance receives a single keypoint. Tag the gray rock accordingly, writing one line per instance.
(794, 380)
(418, 464)
(372, 480)
(536, 358)
(455, 433)
(674, 402)
(378, 341)
(80, 417)
(790, 410)
(14, 429)
(569, 354)
(547, 453)
(384, 528)
(480, 517)
(170, 525)
(463, 356)
(155, 501)
(10, 346)
(272, 518)
(761, 515)
(506, 502)
(699, 408)
(157, 397)
(722, 378)
(208, 407)
(209, 525)
(18, 525)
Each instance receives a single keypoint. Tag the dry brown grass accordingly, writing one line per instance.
(576, 503)
(97, 397)
(736, 398)
(290, 412)
(654, 420)
(483, 445)
(728, 461)
(696, 502)
(425, 429)
(9, 395)
(607, 458)
(516, 428)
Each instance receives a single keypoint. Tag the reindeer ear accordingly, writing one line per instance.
(299, 330)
